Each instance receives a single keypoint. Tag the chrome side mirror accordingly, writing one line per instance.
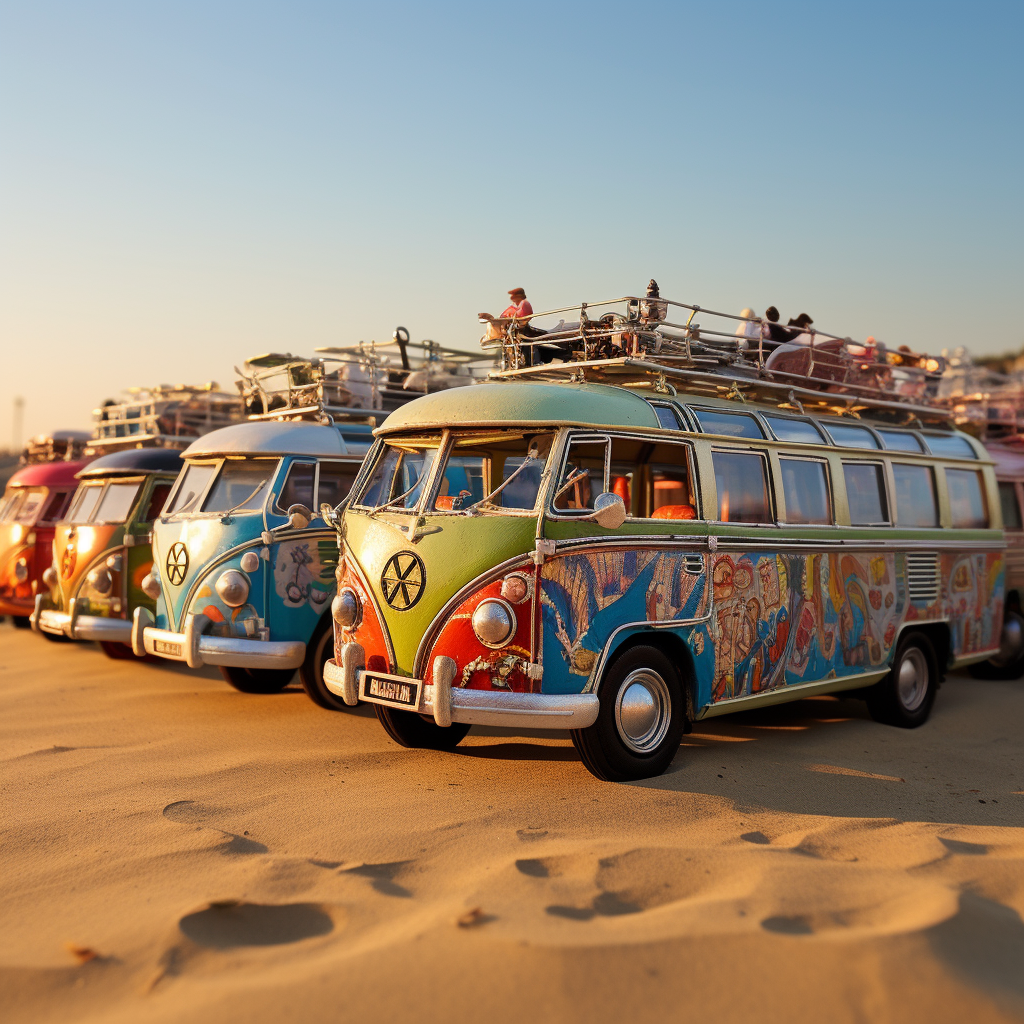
(299, 516)
(609, 511)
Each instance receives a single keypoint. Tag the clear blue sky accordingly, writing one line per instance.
(184, 184)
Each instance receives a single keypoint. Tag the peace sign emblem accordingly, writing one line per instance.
(177, 564)
(403, 580)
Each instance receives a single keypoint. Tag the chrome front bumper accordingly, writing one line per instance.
(472, 707)
(196, 648)
(81, 627)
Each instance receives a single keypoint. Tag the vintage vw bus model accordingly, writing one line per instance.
(101, 549)
(33, 503)
(244, 567)
(660, 527)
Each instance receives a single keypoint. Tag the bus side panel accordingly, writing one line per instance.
(585, 597)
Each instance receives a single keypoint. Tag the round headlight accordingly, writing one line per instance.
(50, 577)
(151, 584)
(346, 608)
(100, 580)
(233, 588)
(494, 622)
(515, 588)
(21, 570)
(114, 563)
(250, 561)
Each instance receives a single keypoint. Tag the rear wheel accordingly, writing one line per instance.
(21, 622)
(1005, 665)
(318, 650)
(408, 729)
(906, 695)
(257, 680)
(641, 721)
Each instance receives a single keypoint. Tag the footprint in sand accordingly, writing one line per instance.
(787, 925)
(187, 812)
(755, 837)
(229, 924)
(382, 877)
(605, 904)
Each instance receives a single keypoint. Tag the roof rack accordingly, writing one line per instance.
(60, 446)
(356, 383)
(632, 342)
(166, 416)
(982, 401)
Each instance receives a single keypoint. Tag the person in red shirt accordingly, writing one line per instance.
(520, 306)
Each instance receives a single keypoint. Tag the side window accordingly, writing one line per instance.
(805, 486)
(785, 428)
(915, 495)
(582, 477)
(847, 436)
(298, 487)
(966, 499)
(667, 416)
(1008, 503)
(335, 483)
(55, 507)
(157, 500)
(865, 493)
(741, 479)
(731, 424)
(899, 441)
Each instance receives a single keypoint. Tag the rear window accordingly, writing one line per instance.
(966, 499)
(731, 424)
(915, 496)
(805, 487)
(1009, 505)
(802, 431)
(741, 479)
(898, 441)
(865, 493)
(848, 436)
(951, 445)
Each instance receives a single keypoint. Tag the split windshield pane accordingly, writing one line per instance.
(85, 502)
(241, 486)
(197, 476)
(117, 502)
(30, 506)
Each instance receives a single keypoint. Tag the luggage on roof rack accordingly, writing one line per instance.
(61, 445)
(632, 341)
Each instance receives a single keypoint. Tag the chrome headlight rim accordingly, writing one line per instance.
(150, 584)
(491, 615)
(232, 588)
(347, 608)
(100, 580)
(21, 570)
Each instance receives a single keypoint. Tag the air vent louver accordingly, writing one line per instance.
(923, 577)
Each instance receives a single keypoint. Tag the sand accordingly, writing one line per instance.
(175, 851)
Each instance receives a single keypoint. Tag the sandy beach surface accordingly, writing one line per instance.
(175, 851)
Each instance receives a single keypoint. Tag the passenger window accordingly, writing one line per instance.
(298, 487)
(55, 507)
(652, 479)
(865, 493)
(787, 429)
(741, 479)
(157, 500)
(1008, 503)
(667, 417)
(899, 441)
(582, 477)
(462, 483)
(915, 495)
(731, 424)
(951, 445)
(805, 486)
(847, 436)
(335, 483)
(966, 499)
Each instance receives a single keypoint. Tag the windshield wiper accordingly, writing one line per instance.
(245, 501)
(393, 501)
(533, 456)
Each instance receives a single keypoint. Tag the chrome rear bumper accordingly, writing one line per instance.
(196, 648)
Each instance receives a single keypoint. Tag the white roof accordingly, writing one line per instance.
(274, 438)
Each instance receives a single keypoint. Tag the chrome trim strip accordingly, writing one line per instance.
(782, 694)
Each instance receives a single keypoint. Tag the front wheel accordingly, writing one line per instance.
(21, 622)
(906, 695)
(409, 729)
(257, 680)
(118, 651)
(641, 721)
(318, 650)
(54, 638)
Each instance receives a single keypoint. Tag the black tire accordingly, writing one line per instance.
(118, 651)
(408, 729)
(620, 747)
(999, 668)
(55, 638)
(21, 622)
(905, 696)
(257, 680)
(318, 650)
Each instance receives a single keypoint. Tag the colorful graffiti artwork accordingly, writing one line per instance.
(304, 573)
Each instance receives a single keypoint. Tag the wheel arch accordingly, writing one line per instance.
(938, 636)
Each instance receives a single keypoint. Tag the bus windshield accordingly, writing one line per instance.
(492, 470)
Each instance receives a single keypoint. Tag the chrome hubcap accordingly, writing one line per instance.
(912, 681)
(643, 709)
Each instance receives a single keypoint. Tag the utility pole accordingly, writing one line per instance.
(19, 417)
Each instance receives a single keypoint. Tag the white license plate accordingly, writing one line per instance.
(163, 647)
(394, 691)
